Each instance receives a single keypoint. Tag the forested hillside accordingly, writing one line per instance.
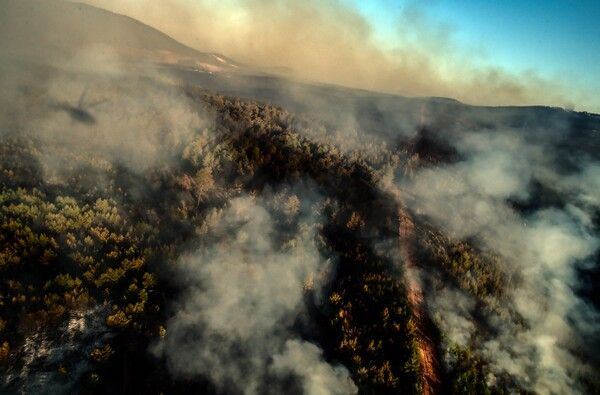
(91, 248)
(158, 237)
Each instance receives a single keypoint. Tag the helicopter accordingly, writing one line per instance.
(80, 113)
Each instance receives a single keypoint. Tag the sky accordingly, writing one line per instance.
(480, 52)
(553, 37)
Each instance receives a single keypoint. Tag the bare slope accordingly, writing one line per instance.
(57, 30)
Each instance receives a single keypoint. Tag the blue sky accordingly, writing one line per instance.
(555, 38)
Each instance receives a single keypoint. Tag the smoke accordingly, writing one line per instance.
(244, 291)
(243, 294)
(245, 288)
(328, 41)
(547, 348)
(97, 108)
(83, 118)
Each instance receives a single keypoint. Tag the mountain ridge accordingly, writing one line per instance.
(54, 30)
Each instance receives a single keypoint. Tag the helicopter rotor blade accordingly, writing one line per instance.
(82, 97)
(96, 103)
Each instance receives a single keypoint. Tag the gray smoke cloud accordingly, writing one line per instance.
(541, 249)
(243, 294)
(137, 118)
(331, 42)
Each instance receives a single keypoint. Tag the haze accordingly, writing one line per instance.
(497, 56)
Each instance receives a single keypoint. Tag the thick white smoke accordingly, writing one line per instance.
(243, 293)
(541, 249)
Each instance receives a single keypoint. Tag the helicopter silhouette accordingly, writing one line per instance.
(81, 112)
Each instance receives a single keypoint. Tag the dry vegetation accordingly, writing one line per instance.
(76, 244)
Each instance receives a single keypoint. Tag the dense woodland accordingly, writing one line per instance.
(98, 242)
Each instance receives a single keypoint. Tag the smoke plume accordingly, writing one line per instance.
(541, 247)
(243, 294)
(328, 41)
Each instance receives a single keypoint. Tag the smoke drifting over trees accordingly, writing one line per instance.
(231, 232)
(541, 249)
(242, 298)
